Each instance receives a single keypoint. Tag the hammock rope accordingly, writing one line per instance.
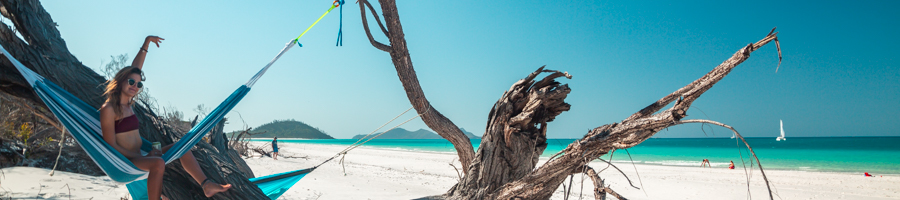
(358, 143)
(379, 128)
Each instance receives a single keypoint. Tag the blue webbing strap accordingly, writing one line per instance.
(340, 37)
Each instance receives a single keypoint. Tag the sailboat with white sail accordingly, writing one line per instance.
(782, 131)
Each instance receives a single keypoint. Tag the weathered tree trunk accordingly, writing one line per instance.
(217, 137)
(403, 64)
(45, 52)
(219, 140)
(516, 134)
(504, 167)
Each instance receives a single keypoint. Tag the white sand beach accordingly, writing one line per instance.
(370, 173)
(399, 174)
(36, 183)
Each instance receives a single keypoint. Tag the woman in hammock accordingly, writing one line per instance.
(120, 129)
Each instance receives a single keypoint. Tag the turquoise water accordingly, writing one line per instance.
(880, 155)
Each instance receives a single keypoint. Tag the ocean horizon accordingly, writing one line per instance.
(875, 155)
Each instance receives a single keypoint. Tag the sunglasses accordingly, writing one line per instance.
(139, 84)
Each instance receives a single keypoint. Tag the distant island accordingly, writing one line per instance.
(401, 133)
(469, 134)
(289, 129)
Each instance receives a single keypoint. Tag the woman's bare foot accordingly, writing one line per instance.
(211, 188)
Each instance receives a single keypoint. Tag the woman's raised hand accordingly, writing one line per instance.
(139, 58)
(155, 39)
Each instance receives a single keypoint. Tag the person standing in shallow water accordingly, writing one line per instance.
(706, 163)
(120, 127)
(275, 148)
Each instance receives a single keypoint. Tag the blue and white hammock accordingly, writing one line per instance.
(82, 121)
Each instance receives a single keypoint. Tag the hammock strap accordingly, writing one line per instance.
(335, 5)
(340, 37)
(266, 68)
(288, 46)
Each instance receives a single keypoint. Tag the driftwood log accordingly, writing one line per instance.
(505, 164)
(44, 51)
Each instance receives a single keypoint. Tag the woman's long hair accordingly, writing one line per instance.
(114, 88)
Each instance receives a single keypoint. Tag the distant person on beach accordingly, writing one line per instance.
(120, 125)
(705, 162)
(275, 148)
(869, 175)
(731, 166)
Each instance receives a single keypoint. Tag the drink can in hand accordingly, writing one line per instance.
(157, 145)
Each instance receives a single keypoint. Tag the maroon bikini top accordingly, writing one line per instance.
(127, 124)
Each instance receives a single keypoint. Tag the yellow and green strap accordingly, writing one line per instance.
(333, 5)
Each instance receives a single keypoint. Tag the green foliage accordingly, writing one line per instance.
(27, 138)
(289, 129)
(20, 134)
(25, 132)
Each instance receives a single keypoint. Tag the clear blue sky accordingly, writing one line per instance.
(840, 75)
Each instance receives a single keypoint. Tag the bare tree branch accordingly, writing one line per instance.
(738, 135)
(599, 192)
(407, 74)
(362, 13)
(621, 172)
(704, 83)
(50, 121)
(374, 14)
(613, 193)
